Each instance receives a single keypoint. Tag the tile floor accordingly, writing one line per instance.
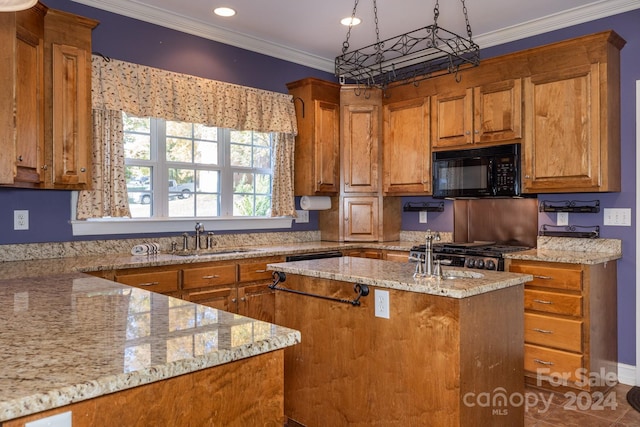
(581, 410)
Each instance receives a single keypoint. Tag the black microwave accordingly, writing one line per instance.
(477, 172)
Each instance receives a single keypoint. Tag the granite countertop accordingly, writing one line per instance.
(73, 337)
(571, 250)
(398, 275)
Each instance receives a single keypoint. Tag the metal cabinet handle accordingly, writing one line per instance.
(261, 271)
(540, 301)
(234, 300)
(19, 158)
(542, 331)
(543, 362)
(542, 277)
(243, 299)
(213, 276)
(148, 284)
(83, 169)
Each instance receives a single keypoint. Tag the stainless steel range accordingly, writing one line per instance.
(484, 230)
(479, 255)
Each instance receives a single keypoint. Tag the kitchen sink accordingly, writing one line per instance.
(211, 252)
(461, 274)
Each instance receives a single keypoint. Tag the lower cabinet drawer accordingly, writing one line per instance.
(208, 276)
(161, 281)
(553, 302)
(549, 362)
(549, 331)
(254, 271)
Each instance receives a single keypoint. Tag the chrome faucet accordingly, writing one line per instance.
(199, 229)
(428, 259)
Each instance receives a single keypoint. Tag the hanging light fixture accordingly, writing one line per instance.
(16, 5)
(408, 58)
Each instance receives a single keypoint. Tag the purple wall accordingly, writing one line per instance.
(131, 40)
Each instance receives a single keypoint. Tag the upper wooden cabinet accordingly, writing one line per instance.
(360, 140)
(485, 113)
(569, 147)
(45, 124)
(68, 135)
(317, 154)
(406, 156)
(22, 102)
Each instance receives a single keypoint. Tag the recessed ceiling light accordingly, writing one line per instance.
(350, 21)
(224, 11)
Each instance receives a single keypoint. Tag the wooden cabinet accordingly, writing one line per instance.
(165, 282)
(397, 256)
(487, 113)
(68, 123)
(570, 324)
(360, 140)
(361, 218)
(568, 147)
(406, 166)
(317, 154)
(363, 253)
(22, 103)
(255, 298)
(213, 286)
(46, 121)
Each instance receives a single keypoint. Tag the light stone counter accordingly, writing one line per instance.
(72, 337)
(571, 250)
(398, 275)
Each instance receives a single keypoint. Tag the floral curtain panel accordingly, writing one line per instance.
(150, 92)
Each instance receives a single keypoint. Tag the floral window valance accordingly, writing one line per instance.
(151, 92)
(142, 91)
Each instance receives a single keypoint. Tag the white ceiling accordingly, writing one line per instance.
(308, 32)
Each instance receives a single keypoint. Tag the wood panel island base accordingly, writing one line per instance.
(225, 395)
(436, 361)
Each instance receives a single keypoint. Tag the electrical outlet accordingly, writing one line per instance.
(563, 218)
(21, 220)
(423, 217)
(303, 216)
(382, 303)
(60, 420)
(617, 216)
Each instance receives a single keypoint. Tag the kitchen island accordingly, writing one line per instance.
(117, 355)
(439, 352)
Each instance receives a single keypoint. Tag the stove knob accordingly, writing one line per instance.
(490, 264)
(480, 263)
(470, 263)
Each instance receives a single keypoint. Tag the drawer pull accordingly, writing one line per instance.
(543, 362)
(541, 301)
(149, 284)
(535, 276)
(213, 276)
(542, 331)
(261, 271)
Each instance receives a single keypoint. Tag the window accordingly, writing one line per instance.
(183, 170)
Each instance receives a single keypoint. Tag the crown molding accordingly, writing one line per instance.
(132, 9)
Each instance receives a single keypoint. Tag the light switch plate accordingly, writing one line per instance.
(423, 217)
(617, 216)
(303, 216)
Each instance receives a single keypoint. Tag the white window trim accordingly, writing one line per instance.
(106, 226)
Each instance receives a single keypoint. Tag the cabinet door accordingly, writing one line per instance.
(257, 301)
(360, 139)
(497, 111)
(452, 119)
(361, 218)
(68, 121)
(29, 98)
(562, 134)
(326, 161)
(406, 151)
(222, 298)
(70, 116)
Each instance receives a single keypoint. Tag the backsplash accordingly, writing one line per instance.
(29, 251)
